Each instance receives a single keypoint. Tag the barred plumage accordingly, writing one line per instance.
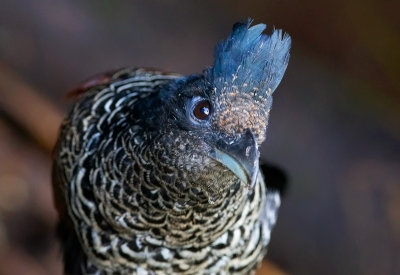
(143, 188)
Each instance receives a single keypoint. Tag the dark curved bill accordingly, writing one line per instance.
(241, 157)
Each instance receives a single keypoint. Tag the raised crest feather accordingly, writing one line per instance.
(250, 60)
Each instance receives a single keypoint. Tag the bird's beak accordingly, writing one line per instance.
(241, 157)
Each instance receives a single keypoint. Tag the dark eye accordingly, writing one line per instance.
(202, 109)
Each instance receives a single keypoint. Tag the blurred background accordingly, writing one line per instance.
(334, 126)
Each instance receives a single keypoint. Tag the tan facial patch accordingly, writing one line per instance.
(238, 112)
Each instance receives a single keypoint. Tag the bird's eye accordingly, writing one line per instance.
(202, 109)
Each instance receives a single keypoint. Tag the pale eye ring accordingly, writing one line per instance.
(201, 109)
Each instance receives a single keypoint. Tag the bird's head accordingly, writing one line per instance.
(214, 123)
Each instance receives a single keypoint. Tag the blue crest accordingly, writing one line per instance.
(252, 61)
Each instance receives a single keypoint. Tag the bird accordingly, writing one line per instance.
(158, 173)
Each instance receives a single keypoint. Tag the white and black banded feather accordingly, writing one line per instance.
(126, 221)
(157, 173)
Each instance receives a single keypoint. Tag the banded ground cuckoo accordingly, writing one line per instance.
(158, 173)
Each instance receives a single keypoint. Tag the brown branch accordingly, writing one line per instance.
(32, 112)
(269, 268)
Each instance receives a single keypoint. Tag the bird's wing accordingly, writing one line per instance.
(275, 178)
(275, 182)
(139, 80)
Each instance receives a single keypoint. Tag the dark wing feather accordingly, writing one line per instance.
(73, 255)
(275, 178)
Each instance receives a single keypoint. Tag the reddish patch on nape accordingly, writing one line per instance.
(96, 80)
